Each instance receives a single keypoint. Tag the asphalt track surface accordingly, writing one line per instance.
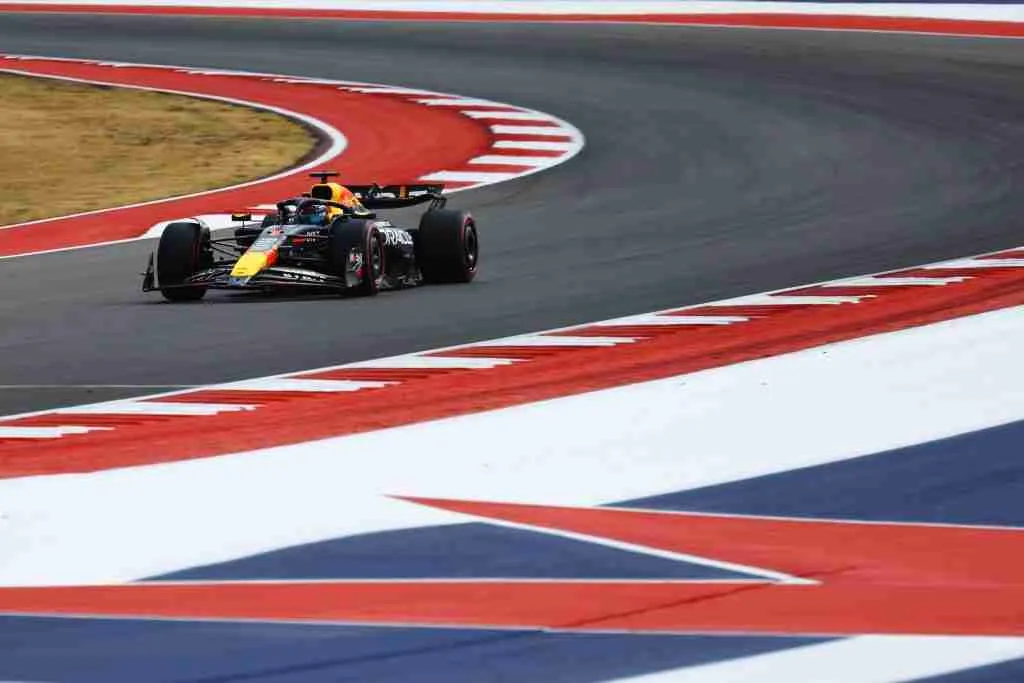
(718, 162)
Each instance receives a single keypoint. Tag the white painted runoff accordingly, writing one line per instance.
(817, 406)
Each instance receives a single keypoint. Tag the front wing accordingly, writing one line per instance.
(274, 277)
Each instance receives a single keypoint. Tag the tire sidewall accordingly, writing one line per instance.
(347, 235)
(442, 246)
(179, 255)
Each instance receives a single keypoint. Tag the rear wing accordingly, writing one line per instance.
(398, 196)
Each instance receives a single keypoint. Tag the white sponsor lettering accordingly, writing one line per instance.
(395, 236)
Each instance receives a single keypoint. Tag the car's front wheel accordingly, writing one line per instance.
(181, 253)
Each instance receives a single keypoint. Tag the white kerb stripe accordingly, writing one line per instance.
(978, 263)
(864, 659)
(556, 340)
(796, 300)
(543, 131)
(413, 362)
(456, 102)
(546, 145)
(509, 115)
(44, 432)
(296, 81)
(155, 408)
(468, 177)
(672, 320)
(895, 281)
(310, 385)
(385, 90)
(511, 160)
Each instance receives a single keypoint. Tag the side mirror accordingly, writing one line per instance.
(241, 217)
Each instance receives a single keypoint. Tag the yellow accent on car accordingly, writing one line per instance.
(251, 263)
(336, 192)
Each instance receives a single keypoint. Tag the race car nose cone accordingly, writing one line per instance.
(251, 263)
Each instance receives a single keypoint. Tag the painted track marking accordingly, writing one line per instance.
(369, 112)
(374, 394)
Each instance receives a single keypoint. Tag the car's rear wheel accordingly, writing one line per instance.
(357, 256)
(447, 246)
(182, 252)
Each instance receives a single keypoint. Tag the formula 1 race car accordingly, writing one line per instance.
(329, 239)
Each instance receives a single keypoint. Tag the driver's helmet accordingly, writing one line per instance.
(313, 214)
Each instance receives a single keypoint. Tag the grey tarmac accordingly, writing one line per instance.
(718, 162)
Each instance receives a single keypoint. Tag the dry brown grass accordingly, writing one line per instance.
(113, 146)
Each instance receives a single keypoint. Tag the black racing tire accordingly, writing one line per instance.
(183, 251)
(348, 236)
(447, 246)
